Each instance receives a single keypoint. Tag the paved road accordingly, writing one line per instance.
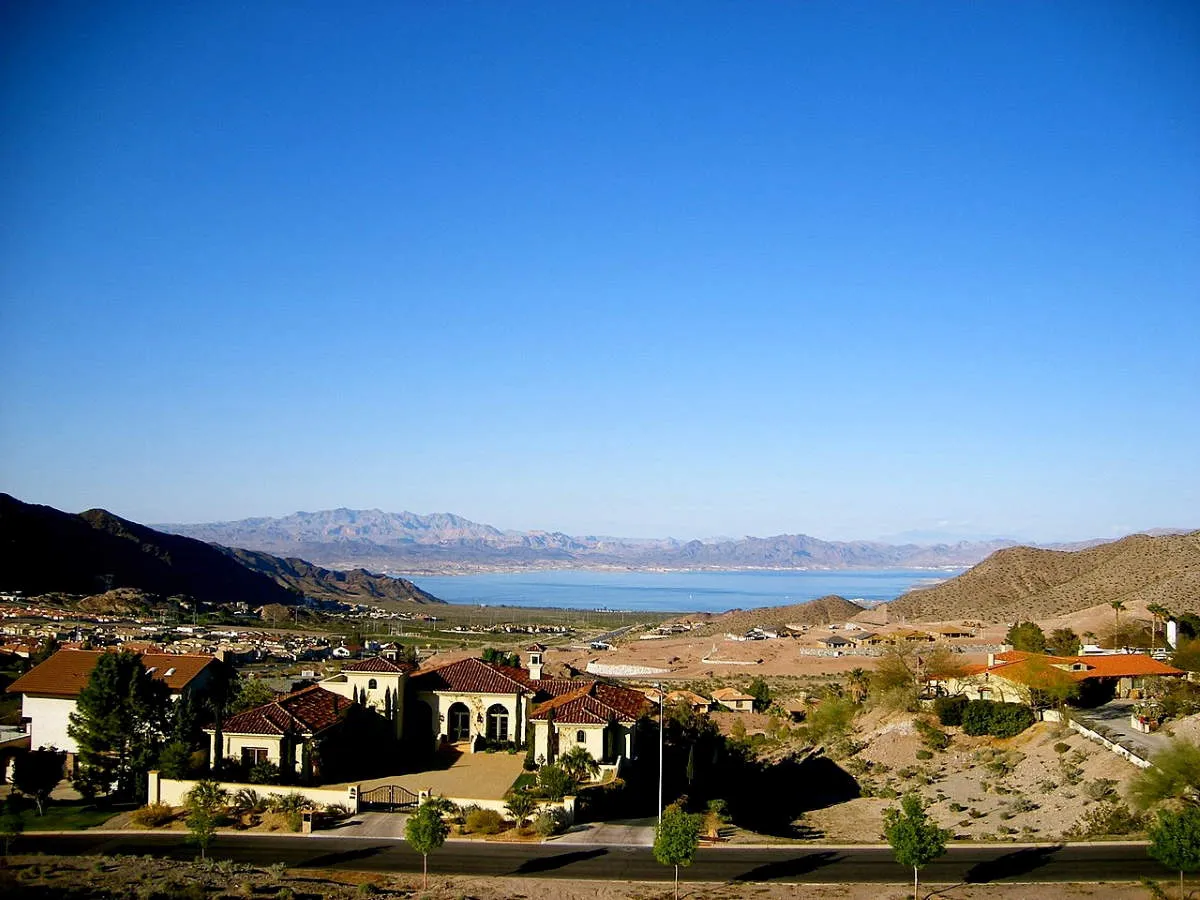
(1115, 716)
(971, 864)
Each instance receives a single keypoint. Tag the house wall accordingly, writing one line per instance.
(593, 739)
(233, 744)
(478, 704)
(48, 721)
(344, 684)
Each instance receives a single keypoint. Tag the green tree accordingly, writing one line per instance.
(1175, 841)
(915, 839)
(44, 652)
(1026, 636)
(37, 773)
(119, 724)
(247, 694)
(205, 803)
(12, 822)
(761, 692)
(1118, 606)
(520, 805)
(425, 832)
(1187, 655)
(555, 782)
(579, 763)
(1063, 642)
(1174, 775)
(676, 839)
(858, 680)
(1158, 613)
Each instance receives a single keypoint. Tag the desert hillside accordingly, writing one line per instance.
(821, 611)
(1041, 584)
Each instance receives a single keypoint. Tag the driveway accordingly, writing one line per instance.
(468, 776)
(1114, 716)
(617, 833)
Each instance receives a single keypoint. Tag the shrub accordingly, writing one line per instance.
(1002, 720)
(551, 821)
(924, 754)
(934, 737)
(1107, 818)
(153, 815)
(949, 710)
(263, 773)
(1100, 789)
(484, 821)
(337, 811)
(554, 783)
(1060, 747)
(291, 802)
(248, 800)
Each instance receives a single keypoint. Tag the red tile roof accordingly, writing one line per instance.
(67, 672)
(473, 676)
(377, 664)
(308, 711)
(593, 703)
(1013, 665)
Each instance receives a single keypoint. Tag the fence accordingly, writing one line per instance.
(173, 791)
(1052, 715)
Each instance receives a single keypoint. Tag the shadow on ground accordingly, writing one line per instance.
(789, 868)
(1011, 865)
(550, 863)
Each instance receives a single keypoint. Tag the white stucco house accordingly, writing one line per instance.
(49, 691)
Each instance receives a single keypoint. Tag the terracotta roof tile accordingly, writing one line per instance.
(308, 711)
(1014, 663)
(377, 664)
(473, 676)
(593, 702)
(67, 672)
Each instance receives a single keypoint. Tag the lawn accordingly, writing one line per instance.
(524, 780)
(67, 816)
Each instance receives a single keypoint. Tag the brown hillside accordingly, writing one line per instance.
(821, 611)
(1027, 583)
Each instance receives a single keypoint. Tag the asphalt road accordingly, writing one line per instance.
(970, 864)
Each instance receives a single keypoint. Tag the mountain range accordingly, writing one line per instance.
(446, 543)
(44, 550)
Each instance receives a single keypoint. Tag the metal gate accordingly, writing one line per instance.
(388, 798)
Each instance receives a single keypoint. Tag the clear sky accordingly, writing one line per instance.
(677, 268)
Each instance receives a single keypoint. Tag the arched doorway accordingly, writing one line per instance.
(497, 723)
(458, 723)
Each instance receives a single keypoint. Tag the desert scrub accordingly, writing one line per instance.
(1061, 747)
(924, 754)
(1100, 789)
(1107, 819)
(484, 821)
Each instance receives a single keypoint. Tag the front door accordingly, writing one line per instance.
(460, 723)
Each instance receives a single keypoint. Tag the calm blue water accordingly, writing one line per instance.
(671, 591)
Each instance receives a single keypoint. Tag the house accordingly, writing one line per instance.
(377, 683)
(594, 715)
(868, 639)
(695, 701)
(281, 732)
(1009, 676)
(835, 642)
(49, 690)
(953, 631)
(734, 699)
(463, 701)
(912, 636)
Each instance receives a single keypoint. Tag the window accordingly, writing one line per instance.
(372, 684)
(580, 737)
(252, 756)
(497, 723)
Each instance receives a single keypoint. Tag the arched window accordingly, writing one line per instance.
(497, 723)
(372, 684)
(580, 737)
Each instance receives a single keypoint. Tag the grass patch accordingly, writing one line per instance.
(524, 780)
(68, 817)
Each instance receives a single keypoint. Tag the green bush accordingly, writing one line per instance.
(1002, 720)
(292, 802)
(551, 821)
(1108, 818)
(1060, 747)
(263, 773)
(924, 754)
(934, 737)
(949, 710)
(484, 821)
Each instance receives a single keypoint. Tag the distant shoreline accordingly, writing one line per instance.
(448, 572)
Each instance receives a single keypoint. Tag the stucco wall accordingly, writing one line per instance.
(172, 791)
(233, 744)
(477, 704)
(49, 718)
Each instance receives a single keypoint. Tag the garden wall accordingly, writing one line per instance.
(172, 791)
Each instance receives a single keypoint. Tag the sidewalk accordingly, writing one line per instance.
(618, 833)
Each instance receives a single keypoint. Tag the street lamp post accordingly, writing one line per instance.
(662, 727)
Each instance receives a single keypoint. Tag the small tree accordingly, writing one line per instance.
(555, 782)
(520, 805)
(579, 763)
(425, 832)
(37, 773)
(761, 692)
(205, 802)
(12, 823)
(915, 839)
(1175, 775)
(1026, 636)
(1063, 642)
(677, 839)
(1175, 841)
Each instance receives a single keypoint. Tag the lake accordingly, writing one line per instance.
(673, 591)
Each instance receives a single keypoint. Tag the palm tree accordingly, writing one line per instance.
(858, 684)
(520, 804)
(1118, 606)
(579, 764)
(1159, 613)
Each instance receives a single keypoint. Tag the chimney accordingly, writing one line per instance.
(535, 662)
(1172, 632)
(991, 660)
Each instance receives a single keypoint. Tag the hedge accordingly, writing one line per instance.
(1002, 720)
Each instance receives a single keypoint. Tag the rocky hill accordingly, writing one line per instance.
(1031, 583)
(45, 551)
(354, 586)
(822, 611)
(406, 542)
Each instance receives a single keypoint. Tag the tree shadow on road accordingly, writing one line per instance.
(549, 863)
(333, 859)
(789, 868)
(1010, 865)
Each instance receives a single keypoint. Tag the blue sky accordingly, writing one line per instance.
(626, 268)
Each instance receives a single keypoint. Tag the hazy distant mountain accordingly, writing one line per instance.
(44, 550)
(1036, 583)
(406, 542)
